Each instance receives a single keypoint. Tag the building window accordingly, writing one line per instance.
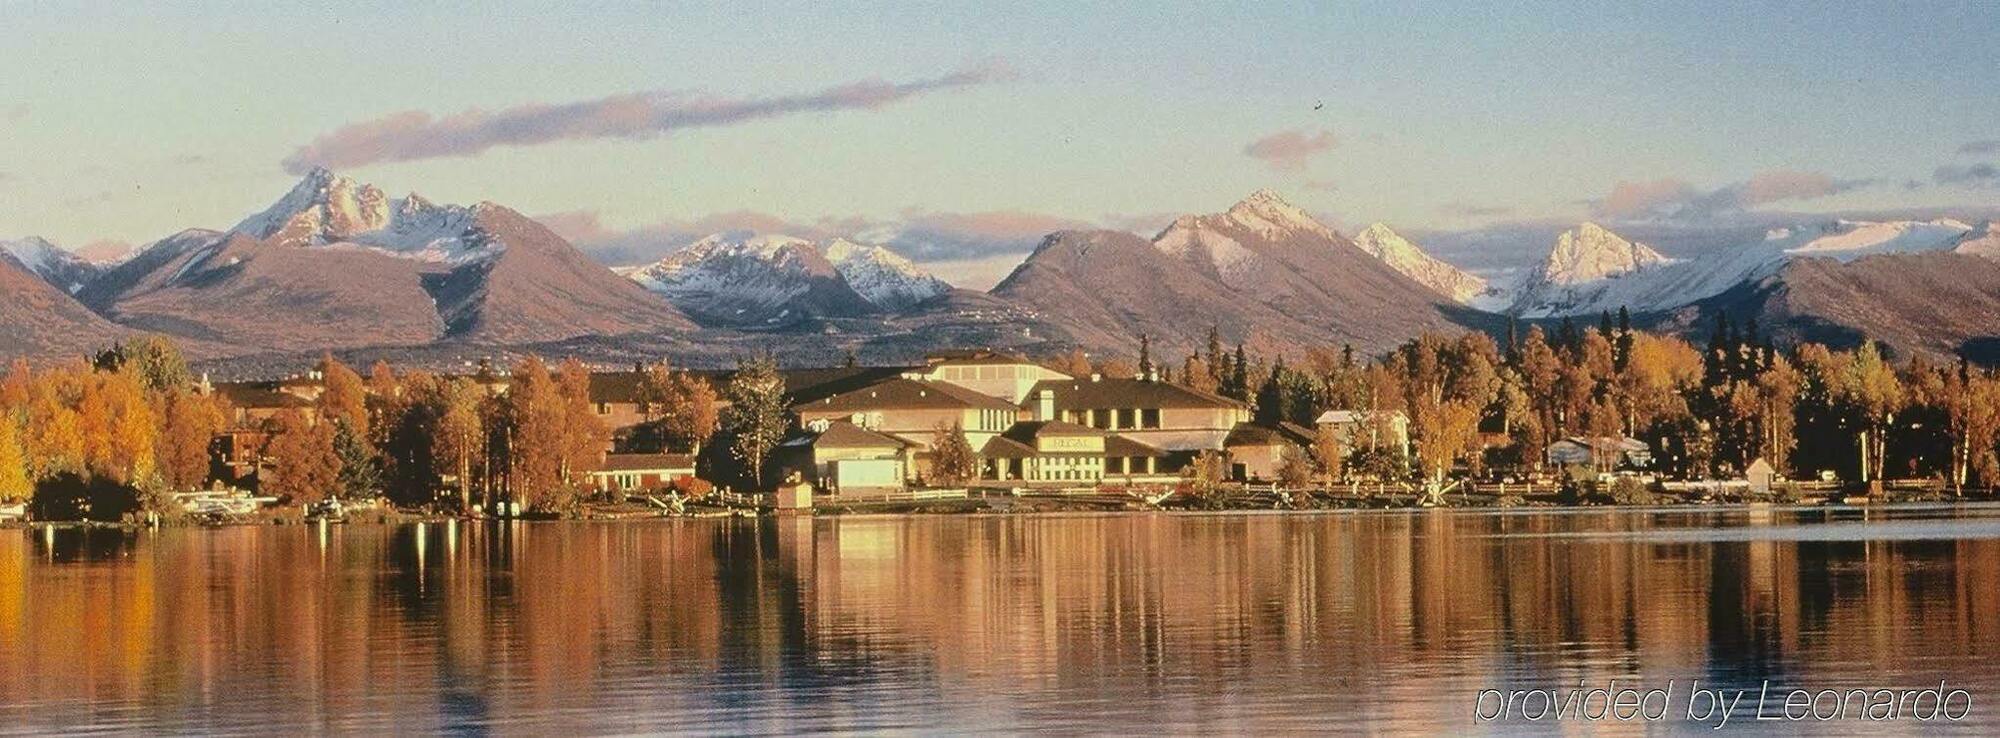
(1149, 418)
(1115, 465)
(1100, 419)
(1125, 418)
(604, 408)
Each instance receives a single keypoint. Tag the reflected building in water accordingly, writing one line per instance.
(1069, 622)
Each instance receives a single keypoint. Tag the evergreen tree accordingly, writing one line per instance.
(1216, 361)
(1623, 344)
(953, 461)
(1145, 357)
(1238, 384)
(1274, 398)
(360, 475)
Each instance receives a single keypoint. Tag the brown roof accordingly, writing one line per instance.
(1122, 446)
(902, 393)
(1252, 434)
(842, 434)
(1002, 447)
(1087, 394)
(1028, 430)
(646, 462)
(259, 395)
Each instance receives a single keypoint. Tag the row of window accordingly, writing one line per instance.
(994, 420)
(1121, 464)
(1115, 418)
(987, 372)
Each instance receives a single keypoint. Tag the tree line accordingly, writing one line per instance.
(114, 435)
(1474, 403)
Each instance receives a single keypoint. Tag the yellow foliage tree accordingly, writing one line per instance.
(14, 481)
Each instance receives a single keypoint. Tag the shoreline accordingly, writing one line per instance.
(1032, 506)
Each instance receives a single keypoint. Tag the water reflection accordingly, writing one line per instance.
(1116, 622)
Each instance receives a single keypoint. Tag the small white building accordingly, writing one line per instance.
(1362, 429)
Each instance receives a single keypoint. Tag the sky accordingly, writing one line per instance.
(972, 127)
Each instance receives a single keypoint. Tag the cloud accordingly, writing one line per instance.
(1144, 224)
(1676, 198)
(1990, 146)
(1970, 175)
(1320, 185)
(104, 250)
(1287, 151)
(1633, 199)
(1468, 210)
(648, 243)
(415, 134)
(925, 236)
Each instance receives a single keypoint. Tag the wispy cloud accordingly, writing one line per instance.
(1671, 197)
(1288, 151)
(1970, 175)
(416, 134)
(929, 236)
(1990, 146)
(1468, 210)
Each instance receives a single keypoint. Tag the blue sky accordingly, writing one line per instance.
(126, 122)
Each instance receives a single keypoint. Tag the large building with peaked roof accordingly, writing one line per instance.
(1159, 414)
(912, 409)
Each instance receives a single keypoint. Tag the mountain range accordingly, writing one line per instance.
(336, 264)
(740, 278)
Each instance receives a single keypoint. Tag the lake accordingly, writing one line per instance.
(1125, 623)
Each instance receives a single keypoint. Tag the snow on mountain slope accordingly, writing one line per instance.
(1217, 241)
(325, 209)
(881, 276)
(1385, 244)
(1984, 241)
(1587, 264)
(57, 266)
(1663, 284)
(744, 278)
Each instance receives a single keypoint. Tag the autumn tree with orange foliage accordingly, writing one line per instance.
(188, 421)
(304, 467)
(693, 411)
(344, 398)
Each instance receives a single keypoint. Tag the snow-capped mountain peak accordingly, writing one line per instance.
(882, 276)
(55, 265)
(1399, 253)
(1589, 252)
(1592, 270)
(1270, 215)
(749, 278)
(326, 209)
(1582, 271)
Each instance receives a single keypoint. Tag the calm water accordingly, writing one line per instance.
(1118, 623)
